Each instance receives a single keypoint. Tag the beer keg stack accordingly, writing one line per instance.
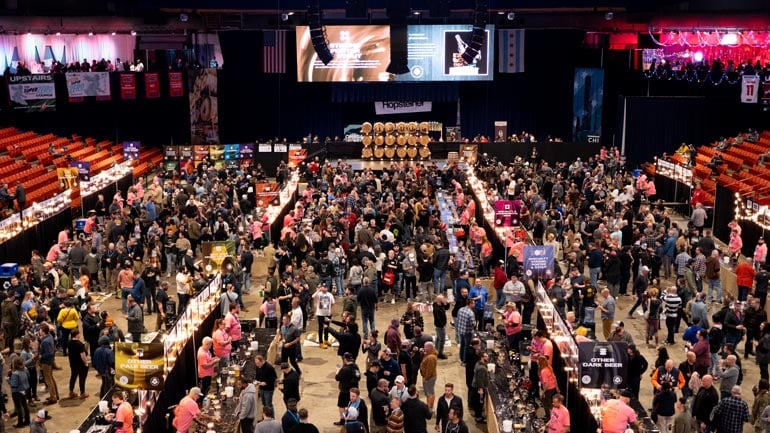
(401, 140)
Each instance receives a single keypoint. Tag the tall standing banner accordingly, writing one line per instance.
(131, 149)
(32, 92)
(175, 85)
(204, 113)
(68, 177)
(501, 131)
(83, 84)
(151, 85)
(140, 365)
(170, 158)
(127, 86)
(603, 363)
(587, 104)
(750, 89)
(538, 262)
(84, 170)
(506, 214)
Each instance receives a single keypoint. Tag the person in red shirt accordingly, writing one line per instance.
(187, 412)
(745, 274)
(698, 195)
(500, 279)
(123, 418)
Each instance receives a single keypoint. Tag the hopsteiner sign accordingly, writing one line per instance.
(400, 107)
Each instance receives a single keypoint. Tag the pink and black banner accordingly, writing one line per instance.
(127, 86)
(152, 85)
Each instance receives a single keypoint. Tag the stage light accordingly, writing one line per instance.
(113, 33)
(284, 17)
(133, 32)
(183, 17)
(416, 12)
(58, 33)
(29, 32)
(609, 16)
(511, 16)
(501, 12)
(90, 33)
(729, 39)
(698, 56)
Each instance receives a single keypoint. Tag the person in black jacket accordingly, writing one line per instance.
(289, 385)
(347, 377)
(440, 307)
(447, 401)
(380, 404)
(91, 328)
(416, 413)
(471, 357)
(265, 376)
(349, 340)
(637, 366)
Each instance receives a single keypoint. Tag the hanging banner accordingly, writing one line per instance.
(296, 156)
(265, 147)
(501, 131)
(175, 85)
(602, 363)
(82, 84)
(587, 104)
(68, 177)
(32, 93)
(280, 148)
(127, 86)
(216, 152)
(200, 153)
(170, 158)
(401, 107)
(151, 85)
(131, 149)
(204, 111)
(84, 170)
(216, 253)
(750, 89)
(232, 154)
(246, 151)
(538, 262)
(506, 214)
(139, 365)
(186, 153)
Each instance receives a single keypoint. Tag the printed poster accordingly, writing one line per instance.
(587, 104)
(68, 177)
(602, 363)
(501, 131)
(204, 111)
(139, 365)
(267, 193)
(84, 170)
(750, 89)
(175, 85)
(246, 151)
(170, 158)
(82, 84)
(538, 262)
(506, 215)
(151, 85)
(32, 93)
(127, 86)
(215, 253)
(296, 156)
(131, 149)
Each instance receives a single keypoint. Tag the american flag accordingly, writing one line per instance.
(511, 51)
(274, 51)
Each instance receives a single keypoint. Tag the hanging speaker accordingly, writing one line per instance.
(318, 32)
(397, 11)
(480, 17)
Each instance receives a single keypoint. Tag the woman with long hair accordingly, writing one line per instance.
(19, 381)
(653, 316)
(549, 386)
(487, 256)
(660, 361)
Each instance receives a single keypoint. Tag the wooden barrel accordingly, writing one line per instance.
(390, 152)
(366, 128)
(401, 127)
(401, 152)
(379, 152)
(411, 152)
(412, 127)
(424, 127)
(379, 140)
(424, 140)
(424, 152)
(390, 127)
(390, 140)
(379, 128)
(366, 140)
(401, 140)
(412, 140)
(366, 153)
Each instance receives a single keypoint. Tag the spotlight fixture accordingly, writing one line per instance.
(501, 12)
(133, 32)
(58, 33)
(609, 16)
(90, 33)
(415, 12)
(284, 17)
(113, 33)
(511, 16)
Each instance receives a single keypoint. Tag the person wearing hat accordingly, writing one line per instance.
(620, 334)
(135, 319)
(347, 378)
(187, 411)
(617, 414)
(289, 385)
(398, 390)
(104, 364)
(38, 424)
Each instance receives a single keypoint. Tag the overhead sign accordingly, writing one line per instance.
(602, 363)
(538, 261)
(506, 214)
(84, 170)
(131, 149)
(82, 84)
(401, 107)
(32, 92)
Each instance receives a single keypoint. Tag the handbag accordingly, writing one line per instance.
(389, 277)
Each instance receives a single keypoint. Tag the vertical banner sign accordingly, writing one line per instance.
(131, 149)
(603, 363)
(267, 193)
(139, 365)
(175, 85)
(538, 262)
(750, 89)
(501, 131)
(232, 154)
(32, 93)
(587, 104)
(217, 155)
(511, 51)
(506, 214)
(246, 151)
(68, 177)
(296, 156)
(766, 91)
(84, 170)
(215, 253)
(204, 112)
(170, 158)
(200, 153)
(127, 86)
(186, 153)
(151, 85)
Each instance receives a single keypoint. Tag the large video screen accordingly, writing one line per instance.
(435, 54)
(362, 53)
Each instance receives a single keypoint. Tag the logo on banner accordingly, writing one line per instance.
(151, 85)
(68, 177)
(506, 214)
(127, 86)
(32, 92)
(602, 363)
(84, 170)
(538, 261)
(296, 156)
(399, 107)
(246, 151)
(175, 85)
(131, 149)
(750, 89)
(140, 365)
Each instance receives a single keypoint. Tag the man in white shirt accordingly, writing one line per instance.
(183, 282)
(324, 302)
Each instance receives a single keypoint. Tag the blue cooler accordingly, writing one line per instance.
(9, 269)
(80, 224)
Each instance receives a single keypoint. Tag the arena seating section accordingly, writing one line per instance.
(24, 156)
(740, 172)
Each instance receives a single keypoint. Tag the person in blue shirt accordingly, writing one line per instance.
(104, 364)
(479, 296)
(691, 333)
